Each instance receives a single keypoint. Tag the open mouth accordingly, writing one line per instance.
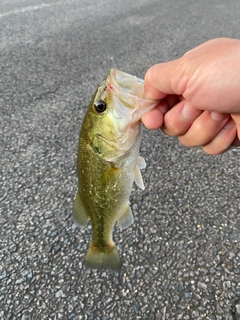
(129, 91)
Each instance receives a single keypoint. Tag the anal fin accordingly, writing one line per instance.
(141, 164)
(126, 218)
(79, 212)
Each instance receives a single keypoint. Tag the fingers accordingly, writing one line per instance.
(215, 132)
(236, 142)
(236, 119)
(204, 129)
(179, 119)
(154, 119)
(223, 141)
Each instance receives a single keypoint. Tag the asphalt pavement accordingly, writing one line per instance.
(181, 257)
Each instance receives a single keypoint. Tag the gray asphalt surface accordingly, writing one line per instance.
(181, 258)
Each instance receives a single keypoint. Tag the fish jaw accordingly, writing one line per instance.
(129, 91)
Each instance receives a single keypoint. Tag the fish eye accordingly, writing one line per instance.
(100, 106)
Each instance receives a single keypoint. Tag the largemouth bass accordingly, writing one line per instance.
(108, 162)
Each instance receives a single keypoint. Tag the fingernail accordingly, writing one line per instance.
(189, 112)
(230, 124)
(218, 116)
(163, 107)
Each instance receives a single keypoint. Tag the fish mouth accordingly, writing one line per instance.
(129, 90)
(127, 84)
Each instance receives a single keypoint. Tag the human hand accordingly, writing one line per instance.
(200, 95)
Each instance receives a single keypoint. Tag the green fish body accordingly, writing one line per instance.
(108, 162)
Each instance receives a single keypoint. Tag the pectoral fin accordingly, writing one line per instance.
(79, 212)
(126, 218)
(141, 164)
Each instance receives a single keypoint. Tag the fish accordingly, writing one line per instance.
(108, 162)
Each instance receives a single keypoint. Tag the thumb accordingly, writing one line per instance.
(163, 79)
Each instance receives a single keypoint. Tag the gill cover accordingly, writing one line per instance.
(118, 125)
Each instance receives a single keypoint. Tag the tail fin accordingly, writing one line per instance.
(105, 260)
